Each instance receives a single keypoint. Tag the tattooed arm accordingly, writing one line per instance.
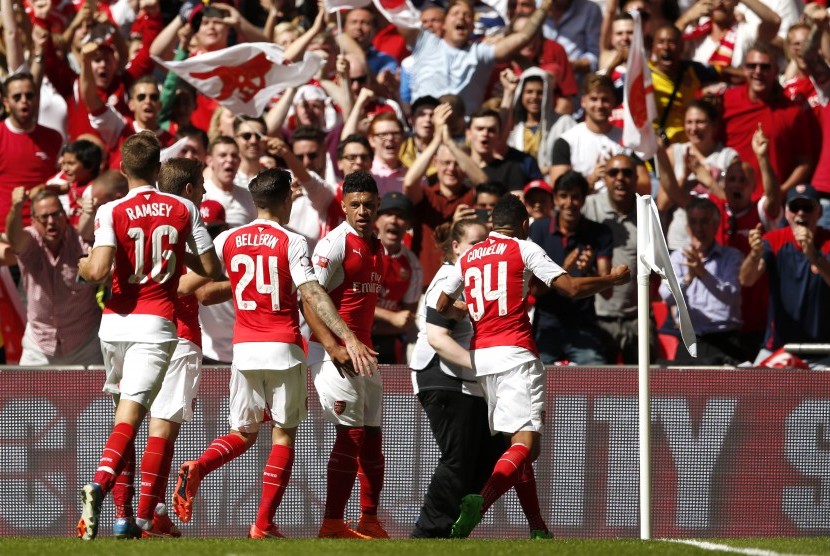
(355, 358)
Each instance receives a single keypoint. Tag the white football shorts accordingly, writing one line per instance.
(350, 401)
(283, 394)
(516, 398)
(177, 398)
(135, 370)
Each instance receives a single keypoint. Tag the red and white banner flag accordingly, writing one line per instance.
(639, 110)
(337, 5)
(399, 12)
(244, 78)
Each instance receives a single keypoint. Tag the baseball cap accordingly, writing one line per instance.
(395, 200)
(426, 100)
(802, 191)
(538, 184)
(213, 213)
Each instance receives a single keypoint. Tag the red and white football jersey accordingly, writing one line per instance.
(402, 280)
(495, 275)
(265, 263)
(351, 268)
(149, 230)
(187, 317)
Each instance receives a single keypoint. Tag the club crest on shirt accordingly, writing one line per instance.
(339, 407)
(322, 262)
(404, 273)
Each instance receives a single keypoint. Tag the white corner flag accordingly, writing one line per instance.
(639, 109)
(652, 256)
(653, 253)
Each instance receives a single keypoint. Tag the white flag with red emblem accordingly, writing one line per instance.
(335, 5)
(399, 12)
(244, 78)
(639, 110)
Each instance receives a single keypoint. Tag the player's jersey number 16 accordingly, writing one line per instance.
(162, 255)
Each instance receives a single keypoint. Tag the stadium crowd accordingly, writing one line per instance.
(483, 100)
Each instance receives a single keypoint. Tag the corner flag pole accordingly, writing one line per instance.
(643, 272)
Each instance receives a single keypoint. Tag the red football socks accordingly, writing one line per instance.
(221, 451)
(529, 499)
(115, 456)
(164, 475)
(341, 470)
(152, 470)
(124, 490)
(274, 481)
(505, 474)
(370, 472)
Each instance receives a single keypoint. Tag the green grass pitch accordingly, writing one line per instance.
(303, 547)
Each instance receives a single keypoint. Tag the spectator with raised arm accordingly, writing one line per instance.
(211, 23)
(62, 313)
(796, 259)
(452, 64)
(450, 198)
(113, 127)
(720, 39)
(575, 24)
(792, 128)
(111, 75)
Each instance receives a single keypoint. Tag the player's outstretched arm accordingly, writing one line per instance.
(589, 285)
(97, 266)
(355, 359)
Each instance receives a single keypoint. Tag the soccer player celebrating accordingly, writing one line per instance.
(144, 236)
(495, 275)
(349, 264)
(175, 401)
(269, 367)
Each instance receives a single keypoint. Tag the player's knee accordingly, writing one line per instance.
(249, 437)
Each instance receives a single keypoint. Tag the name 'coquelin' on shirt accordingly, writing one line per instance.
(476, 253)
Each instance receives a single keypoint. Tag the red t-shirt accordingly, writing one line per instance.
(265, 264)
(495, 274)
(149, 230)
(351, 268)
(791, 127)
(402, 280)
(27, 159)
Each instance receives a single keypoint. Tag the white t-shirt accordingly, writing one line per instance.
(238, 204)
